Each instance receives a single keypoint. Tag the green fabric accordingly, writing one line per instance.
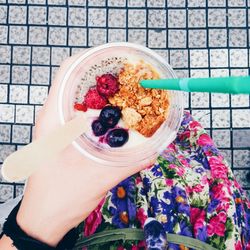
(137, 234)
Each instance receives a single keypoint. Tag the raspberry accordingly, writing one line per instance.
(80, 107)
(107, 85)
(94, 100)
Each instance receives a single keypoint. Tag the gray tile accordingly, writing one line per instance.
(40, 75)
(198, 73)
(25, 114)
(5, 52)
(5, 133)
(117, 35)
(136, 3)
(3, 92)
(137, 36)
(236, 3)
(97, 37)
(21, 134)
(216, 17)
(241, 118)
(57, 36)
(196, 3)
(197, 18)
(17, 14)
(41, 55)
(4, 73)
(136, 18)
(19, 190)
(7, 113)
(3, 34)
(37, 35)
(163, 53)
(20, 74)
(37, 2)
(3, 14)
(18, 94)
(157, 19)
(77, 36)
(199, 58)
(217, 37)
(38, 94)
(241, 138)
(199, 100)
(219, 72)
(37, 15)
(176, 18)
(157, 38)
(236, 18)
(217, 3)
(220, 100)
(176, 3)
(77, 16)
(179, 58)
(6, 150)
(117, 3)
(203, 117)
(59, 55)
(96, 3)
(238, 58)
(221, 118)
(117, 18)
(221, 138)
(219, 58)
(241, 177)
(241, 158)
(6, 192)
(177, 38)
(57, 2)
(197, 38)
(21, 54)
(18, 35)
(77, 2)
(153, 3)
(226, 153)
(240, 100)
(97, 17)
(239, 72)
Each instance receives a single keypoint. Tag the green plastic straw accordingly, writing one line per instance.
(229, 85)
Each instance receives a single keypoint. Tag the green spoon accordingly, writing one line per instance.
(229, 85)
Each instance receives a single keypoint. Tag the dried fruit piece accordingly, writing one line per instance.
(146, 101)
(80, 107)
(94, 100)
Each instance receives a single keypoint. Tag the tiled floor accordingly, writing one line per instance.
(199, 38)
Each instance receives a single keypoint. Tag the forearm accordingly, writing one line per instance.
(6, 243)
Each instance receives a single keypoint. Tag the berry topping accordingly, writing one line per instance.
(80, 107)
(107, 85)
(117, 137)
(94, 100)
(110, 115)
(98, 128)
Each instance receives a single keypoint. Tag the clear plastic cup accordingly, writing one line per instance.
(120, 157)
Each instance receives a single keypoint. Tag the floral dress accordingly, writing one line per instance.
(189, 191)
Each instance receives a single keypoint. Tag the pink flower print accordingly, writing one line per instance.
(141, 216)
(218, 169)
(215, 226)
(180, 171)
(169, 182)
(204, 140)
(185, 135)
(138, 180)
(120, 248)
(172, 166)
(204, 180)
(198, 188)
(194, 124)
(238, 245)
(197, 218)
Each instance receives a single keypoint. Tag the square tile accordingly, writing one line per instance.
(21, 134)
(117, 18)
(6, 192)
(6, 150)
(37, 2)
(197, 18)
(182, 73)
(157, 38)
(57, 16)
(241, 118)
(153, 3)
(176, 18)
(3, 92)
(241, 138)
(240, 100)
(73, 51)
(59, 55)
(4, 73)
(5, 133)
(221, 138)
(97, 37)
(5, 52)
(236, 3)
(40, 75)
(199, 100)
(41, 55)
(220, 100)
(3, 14)
(218, 58)
(37, 35)
(203, 117)
(96, 3)
(163, 53)
(241, 158)
(157, 18)
(37, 15)
(199, 73)
(237, 18)
(199, 58)
(217, 3)
(77, 16)
(117, 3)
(197, 38)
(217, 37)
(3, 34)
(117, 35)
(19, 190)
(239, 72)
(136, 3)
(38, 94)
(57, 2)
(18, 34)
(97, 17)
(21, 54)
(241, 177)
(77, 36)
(21, 74)
(238, 58)
(197, 3)
(57, 36)
(221, 118)
(77, 2)
(7, 113)
(25, 114)
(176, 3)
(177, 38)
(136, 18)
(219, 72)
(217, 17)
(179, 58)
(17, 14)
(137, 36)
(18, 94)
(226, 154)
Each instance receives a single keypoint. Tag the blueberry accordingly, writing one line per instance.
(117, 137)
(110, 116)
(98, 128)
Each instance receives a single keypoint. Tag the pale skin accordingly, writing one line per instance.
(63, 192)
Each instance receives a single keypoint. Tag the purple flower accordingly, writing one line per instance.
(168, 156)
(179, 192)
(201, 158)
(155, 204)
(185, 229)
(156, 170)
(199, 170)
(202, 234)
(146, 186)
(187, 118)
(183, 208)
(211, 148)
(212, 205)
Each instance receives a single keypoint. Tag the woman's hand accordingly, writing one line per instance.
(63, 192)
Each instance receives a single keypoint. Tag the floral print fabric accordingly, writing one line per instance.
(190, 190)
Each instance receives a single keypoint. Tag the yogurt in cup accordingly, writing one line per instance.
(81, 76)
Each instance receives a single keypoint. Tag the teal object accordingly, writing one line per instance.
(227, 85)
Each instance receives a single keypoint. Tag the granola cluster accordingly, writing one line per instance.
(142, 109)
